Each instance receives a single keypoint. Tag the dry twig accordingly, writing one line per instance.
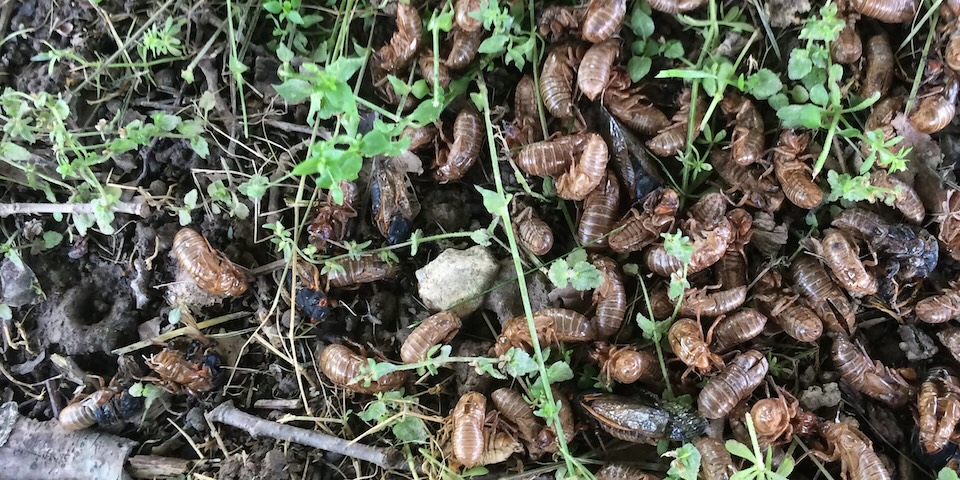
(226, 413)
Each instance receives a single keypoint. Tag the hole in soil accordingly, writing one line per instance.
(101, 363)
(89, 307)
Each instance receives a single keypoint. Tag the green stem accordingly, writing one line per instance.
(656, 339)
(573, 466)
(237, 77)
(926, 50)
(822, 159)
(376, 108)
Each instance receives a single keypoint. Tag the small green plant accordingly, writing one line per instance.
(575, 271)
(287, 21)
(149, 392)
(189, 204)
(762, 468)
(41, 117)
(161, 41)
(395, 409)
(685, 464)
(645, 47)
(680, 247)
(507, 37)
(340, 157)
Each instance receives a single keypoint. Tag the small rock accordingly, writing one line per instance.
(195, 419)
(816, 397)
(457, 279)
(19, 284)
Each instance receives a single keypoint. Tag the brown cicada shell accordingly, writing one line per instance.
(208, 267)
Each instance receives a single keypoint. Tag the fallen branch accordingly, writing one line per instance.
(226, 413)
(139, 209)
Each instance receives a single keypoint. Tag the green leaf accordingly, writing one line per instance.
(375, 412)
(382, 368)
(474, 472)
(190, 199)
(122, 145)
(166, 122)
(443, 22)
(518, 363)
(826, 28)
(796, 116)
(739, 449)
(200, 147)
(136, 390)
(426, 112)
(295, 18)
(254, 188)
(207, 101)
(11, 152)
(584, 276)
(410, 429)
(819, 95)
(678, 285)
(638, 67)
(577, 256)
(799, 94)
(947, 473)
(174, 316)
(673, 49)
(559, 273)
(51, 239)
(495, 203)
(855, 189)
(746, 474)
(648, 327)
(786, 467)
(481, 237)
(778, 101)
(345, 68)
(678, 246)
(764, 84)
(420, 89)
(415, 241)
(237, 68)
(6, 313)
(559, 372)
(686, 463)
(294, 90)
(494, 43)
(799, 65)
(641, 23)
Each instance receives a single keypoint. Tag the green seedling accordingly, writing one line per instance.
(575, 271)
(685, 464)
(762, 465)
(397, 411)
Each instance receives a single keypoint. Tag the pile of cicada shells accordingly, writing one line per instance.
(762, 284)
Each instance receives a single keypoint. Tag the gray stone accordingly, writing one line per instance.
(457, 279)
(19, 284)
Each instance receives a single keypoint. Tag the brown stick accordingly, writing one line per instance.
(226, 413)
(152, 466)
